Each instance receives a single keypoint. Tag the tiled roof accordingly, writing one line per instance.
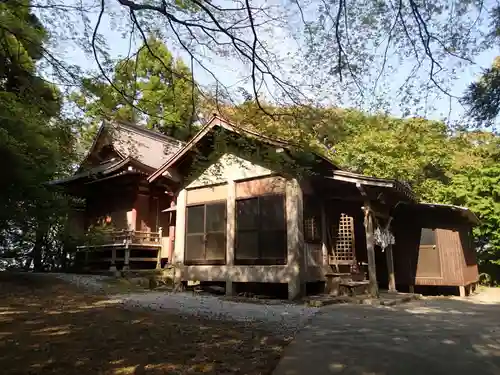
(148, 147)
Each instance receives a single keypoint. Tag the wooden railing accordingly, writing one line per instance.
(124, 237)
(135, 237)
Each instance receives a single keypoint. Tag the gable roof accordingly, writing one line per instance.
(217, 121)
(128, 140)
(385, 183)
(438, 211)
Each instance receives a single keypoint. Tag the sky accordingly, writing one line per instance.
(228, 71)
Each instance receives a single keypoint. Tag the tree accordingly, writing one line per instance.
(483, 96)
(35, 143)
(475, 183)
(412, 150)
(415, 150)
(151, 88)
(295, 52)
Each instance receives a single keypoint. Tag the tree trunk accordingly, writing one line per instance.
(38, 249)
(27, 265)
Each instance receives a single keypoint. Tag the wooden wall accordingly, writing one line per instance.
(110, 202)
(471, 273)
(261, 186)
(451, 263)
(405, 251)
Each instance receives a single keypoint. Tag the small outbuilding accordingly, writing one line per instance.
(435, 246)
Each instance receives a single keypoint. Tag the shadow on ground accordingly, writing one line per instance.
(437, 336)
(49, 327)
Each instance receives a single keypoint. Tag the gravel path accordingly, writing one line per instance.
(282, 318)
(441, 336)
(95, 283)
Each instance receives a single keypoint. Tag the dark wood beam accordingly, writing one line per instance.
(370, 243)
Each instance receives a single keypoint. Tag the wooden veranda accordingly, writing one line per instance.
(122, 250)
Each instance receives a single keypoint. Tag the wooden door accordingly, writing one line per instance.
(429, 263)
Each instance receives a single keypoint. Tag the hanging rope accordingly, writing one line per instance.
(383, 236)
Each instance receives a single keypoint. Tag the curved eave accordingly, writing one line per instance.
(103, 171)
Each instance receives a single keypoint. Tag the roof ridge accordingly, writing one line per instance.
(146, 132)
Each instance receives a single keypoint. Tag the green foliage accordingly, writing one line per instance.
(36, 145)
(461, 168)
(151, 88)
(98, 234)
(410, 150)
(377, 145)
(475, 183)
(483, 96)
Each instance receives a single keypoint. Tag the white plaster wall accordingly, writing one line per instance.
(165, 241)
(229, 168)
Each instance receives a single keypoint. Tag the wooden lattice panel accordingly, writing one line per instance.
(311, 229)
(344, 240)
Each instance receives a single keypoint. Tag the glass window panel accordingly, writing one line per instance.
(273, 244)
(427, 237)
(216, 217)
(272, 211)
(216, 246)
(247, 214)
(195, 219)
(247, 246)
(195, 248)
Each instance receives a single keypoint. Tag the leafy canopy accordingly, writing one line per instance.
(152, 88)
(36, 144)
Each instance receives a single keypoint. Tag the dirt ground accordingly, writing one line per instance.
(50, 327)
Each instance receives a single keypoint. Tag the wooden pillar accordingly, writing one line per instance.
(171, 242)
(462, 291)
(171, 232)
(390, 268)
(126, 261)
(113, 260)
(295, 241)
(230, 232)
(324, 236)
(158, 255)
(132, 219)
(370, 250)
(180, 228)
(370, 242)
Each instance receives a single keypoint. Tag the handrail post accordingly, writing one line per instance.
(126, 261)
(158, 262)
(113, 260)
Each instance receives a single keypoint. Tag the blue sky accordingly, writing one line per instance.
(229, 71)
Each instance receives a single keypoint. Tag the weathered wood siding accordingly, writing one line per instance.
(110, 203)
(260, 186)
(471, 273)
(405, 251)
(450, 256)
(451, 263)
(429, 262)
